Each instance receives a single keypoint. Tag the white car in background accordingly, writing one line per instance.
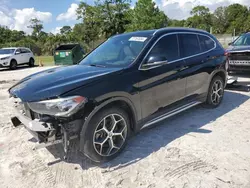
(12, 57)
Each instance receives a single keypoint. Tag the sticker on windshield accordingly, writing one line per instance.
(138, 39)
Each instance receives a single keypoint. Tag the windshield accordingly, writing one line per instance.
(7, 51)
(243, 40)
(119, 51)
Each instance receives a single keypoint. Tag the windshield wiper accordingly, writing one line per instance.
(97, 65)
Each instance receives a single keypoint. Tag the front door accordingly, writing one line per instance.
(19, 56)
(164, 85)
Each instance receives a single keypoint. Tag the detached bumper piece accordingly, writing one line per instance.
(15, 121)
(232, 79)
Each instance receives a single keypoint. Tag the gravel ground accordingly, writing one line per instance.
(203, 148)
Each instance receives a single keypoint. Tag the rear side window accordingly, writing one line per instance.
(189, 44)
(206, 43)
(168, 47)
(23, 50)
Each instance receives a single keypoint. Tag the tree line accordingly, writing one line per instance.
(110, 17)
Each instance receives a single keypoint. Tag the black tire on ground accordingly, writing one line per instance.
(93, 135)
(13, 64)
(31, 62)
(215, 92)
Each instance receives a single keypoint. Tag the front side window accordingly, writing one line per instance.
(18, 51)
(189, 44)
(119, 51)
(243, 40)
(166, 47)
(206, 43)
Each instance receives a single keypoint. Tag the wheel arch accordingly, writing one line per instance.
(122, 102)
(222, 74)
(218, 72)
(13, 59)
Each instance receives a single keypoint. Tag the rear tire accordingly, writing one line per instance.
(13, 64)
(32, 62)
(215, 92)
(106, 134)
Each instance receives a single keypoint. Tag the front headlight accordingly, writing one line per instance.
(4, 58)
(63, 107)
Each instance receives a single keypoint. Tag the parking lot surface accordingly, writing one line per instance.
(203, 148)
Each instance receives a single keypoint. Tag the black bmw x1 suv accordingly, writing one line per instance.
(128, 83)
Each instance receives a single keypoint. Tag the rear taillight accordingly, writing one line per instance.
(227, 63)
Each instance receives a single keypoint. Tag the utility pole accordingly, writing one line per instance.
(234, 33)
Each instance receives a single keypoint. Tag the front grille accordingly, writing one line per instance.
(239, 62)
(35, 115)
(239, 56)
(27, 110)
(19, 105)
(238, 68)
(22, 107)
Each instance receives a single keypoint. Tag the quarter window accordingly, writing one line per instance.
(167, 47)
(206, 43)
(189, 44)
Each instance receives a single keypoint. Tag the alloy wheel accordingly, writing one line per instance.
(217, 92)
(110, 135)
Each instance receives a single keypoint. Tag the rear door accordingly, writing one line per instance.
(164, 85)
(26, 54)
(196, 53)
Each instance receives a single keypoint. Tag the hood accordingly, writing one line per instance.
(232, 49)
(54, 82)
(4, 55)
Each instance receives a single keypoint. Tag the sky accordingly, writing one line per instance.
(56, 13)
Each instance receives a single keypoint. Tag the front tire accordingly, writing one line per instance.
(13, 64)
(215, 92)
(106, 134)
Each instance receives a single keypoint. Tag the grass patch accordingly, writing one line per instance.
(46, 60)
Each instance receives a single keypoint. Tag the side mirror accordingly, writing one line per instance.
(155, 61)
(17, 53)
(230, 43)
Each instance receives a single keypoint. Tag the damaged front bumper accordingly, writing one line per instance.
(22, 115)
(46, 130)
(35, 125)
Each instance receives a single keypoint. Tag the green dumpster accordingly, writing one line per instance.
(68, 54)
